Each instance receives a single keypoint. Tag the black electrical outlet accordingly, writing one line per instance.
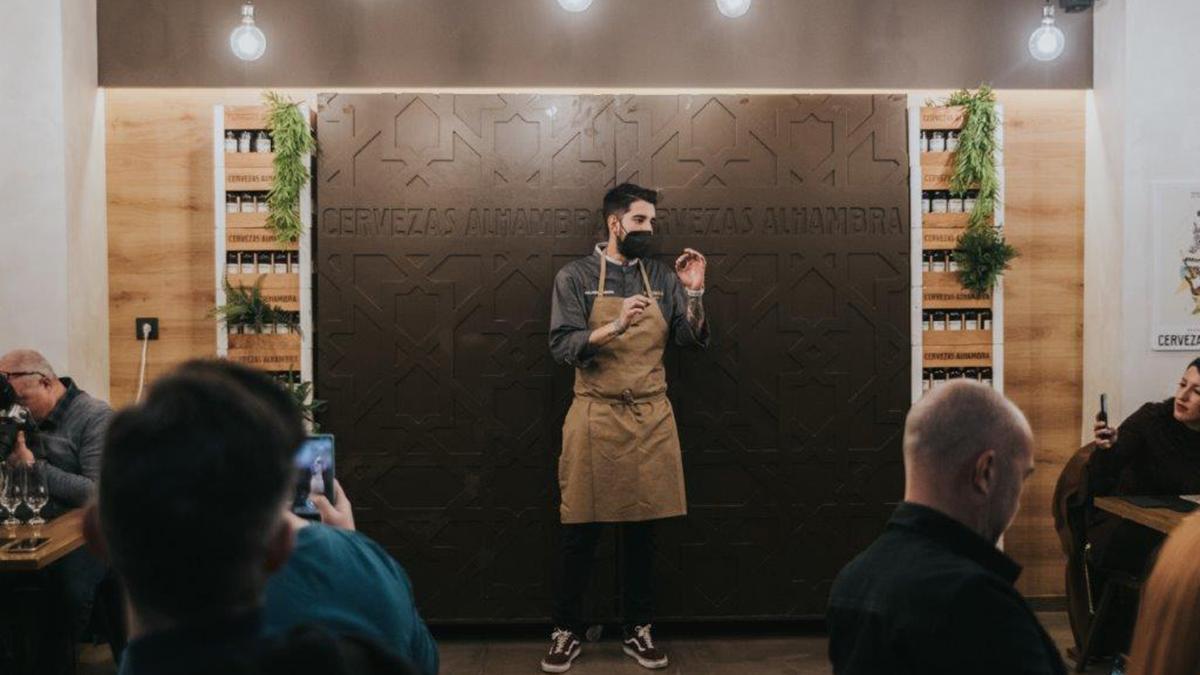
(142, 321)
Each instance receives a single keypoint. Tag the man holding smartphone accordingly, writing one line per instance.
(612, 315)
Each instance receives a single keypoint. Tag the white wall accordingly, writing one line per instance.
(53, 260)
(1143, 126)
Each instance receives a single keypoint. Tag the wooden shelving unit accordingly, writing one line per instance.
(948, 351)
(245, 233)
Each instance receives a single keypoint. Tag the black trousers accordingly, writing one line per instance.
(575, 572)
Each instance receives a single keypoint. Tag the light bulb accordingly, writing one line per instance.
(575, 5)
(733, 8)
(1047, 42)
(247, 41)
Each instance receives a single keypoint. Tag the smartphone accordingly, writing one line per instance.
(315, 471)
(27, 545)
(1102, 416)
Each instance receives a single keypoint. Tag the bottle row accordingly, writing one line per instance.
(279, 323)
(941, 201)
(247, 141)
(933, 378)
(245, 202)
(955, 319)
(939, 141)
(262, 262)
(938, 261)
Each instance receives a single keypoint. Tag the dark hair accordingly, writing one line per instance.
(1194, 364)
(618, 199)
(192, 486)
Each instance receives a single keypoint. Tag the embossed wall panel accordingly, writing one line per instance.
(441, 222)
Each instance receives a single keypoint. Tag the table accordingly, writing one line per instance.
(1161, 519)
(64, 532)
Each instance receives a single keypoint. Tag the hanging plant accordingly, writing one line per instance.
(246, 306)
(292, 140)
(982, 254)
(302, 394)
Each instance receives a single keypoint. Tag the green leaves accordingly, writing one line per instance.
(292, 140)
(975, 160)
(301, 393)
(247, 306)
(982, 256)
(982, 253)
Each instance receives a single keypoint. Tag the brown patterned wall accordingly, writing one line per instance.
(441, 222)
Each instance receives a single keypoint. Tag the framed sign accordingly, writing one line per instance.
(1176, 318)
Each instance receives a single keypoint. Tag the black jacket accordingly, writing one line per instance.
(930, 596)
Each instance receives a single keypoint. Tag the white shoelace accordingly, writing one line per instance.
(643, 632)
(560, 638)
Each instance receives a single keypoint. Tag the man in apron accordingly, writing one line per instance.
(612, 315)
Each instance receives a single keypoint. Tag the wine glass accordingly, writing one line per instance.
(7, 494)
(36, 493)
(10, 494)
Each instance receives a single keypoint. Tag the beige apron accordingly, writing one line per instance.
(620, 459)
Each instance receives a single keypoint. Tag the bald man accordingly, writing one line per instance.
(933, 594)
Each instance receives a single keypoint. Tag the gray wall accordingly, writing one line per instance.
(896, 44)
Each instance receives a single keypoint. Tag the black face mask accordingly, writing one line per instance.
(637, 245)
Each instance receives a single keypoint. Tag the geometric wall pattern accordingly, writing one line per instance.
(440, 224)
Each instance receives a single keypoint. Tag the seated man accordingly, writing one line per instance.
(65, 447)
(335, 578)
(1154, 452)
(193, 486)
(933, 594)
(70, 429)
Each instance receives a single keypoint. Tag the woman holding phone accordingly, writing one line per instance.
(1154, 452)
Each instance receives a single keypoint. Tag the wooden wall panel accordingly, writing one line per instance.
(160, 226)
(1043, 307)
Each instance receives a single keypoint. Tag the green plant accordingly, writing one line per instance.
(982, 256)
(246, 306)
(292, 140)
(975, 159)
(302, 393)
(982, 253)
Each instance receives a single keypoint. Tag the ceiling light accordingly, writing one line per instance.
(733, 8)
(247, 41)
(1047, 42)
(574, 5)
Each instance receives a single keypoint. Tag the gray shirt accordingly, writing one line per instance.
(69, 444)
(575, 289)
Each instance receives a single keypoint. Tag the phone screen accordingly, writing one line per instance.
(1102, 416)
(315, 470)
(27, 545)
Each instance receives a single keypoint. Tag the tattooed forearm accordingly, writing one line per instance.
(695, 314)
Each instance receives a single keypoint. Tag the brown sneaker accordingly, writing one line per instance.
(564, 648)
(640, 645)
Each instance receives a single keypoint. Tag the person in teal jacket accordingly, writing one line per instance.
(342, 580)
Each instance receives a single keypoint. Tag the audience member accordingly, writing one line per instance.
(1165, 641)
(933, 594)
(335, 577)
(193, 486)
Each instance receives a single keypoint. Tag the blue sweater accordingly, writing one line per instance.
(345, 582)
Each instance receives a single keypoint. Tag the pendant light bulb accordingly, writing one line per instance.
(733, 8)
(575, 5)
(247, 41)
(1047, 42)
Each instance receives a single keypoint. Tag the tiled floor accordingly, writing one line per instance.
(723, 655)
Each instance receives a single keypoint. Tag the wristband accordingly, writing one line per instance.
(694, 294)
(616, 326)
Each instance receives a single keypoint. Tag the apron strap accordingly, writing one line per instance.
(645, 280)
(603, 272)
